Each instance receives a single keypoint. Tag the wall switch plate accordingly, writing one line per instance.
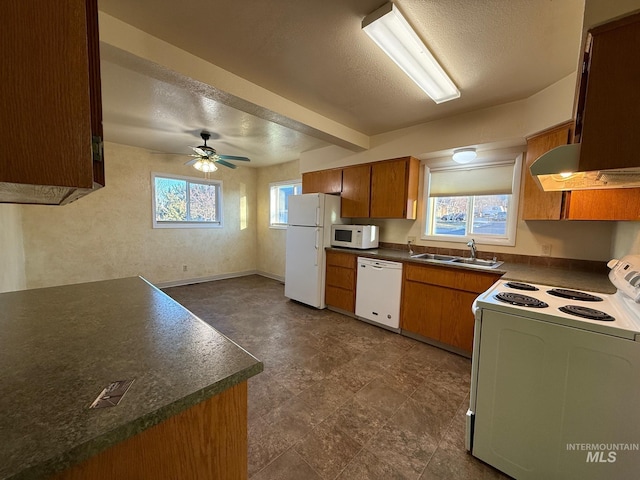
(184, 268)
(546, 249)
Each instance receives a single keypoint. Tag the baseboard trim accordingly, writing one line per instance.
(279, 278)
(191, 281)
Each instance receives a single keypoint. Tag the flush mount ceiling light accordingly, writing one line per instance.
(464, 155)
(393, 34)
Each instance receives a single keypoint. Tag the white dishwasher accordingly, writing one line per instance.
(378, 292)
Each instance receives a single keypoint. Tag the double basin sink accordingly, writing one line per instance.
(473, 262)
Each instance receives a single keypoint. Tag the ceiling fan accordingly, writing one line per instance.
(206, 157)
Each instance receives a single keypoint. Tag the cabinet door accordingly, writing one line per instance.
(394, 188)
(356, 184)
(536, 203)
(50, 92)
(322, 181)
(615, 204)
(610, 115)
(456, 326)
(417, 310)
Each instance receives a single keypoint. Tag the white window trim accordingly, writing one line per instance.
(279, 226)
(157, 224)
(512, 221)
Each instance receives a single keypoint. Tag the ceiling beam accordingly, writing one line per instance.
(176, 65)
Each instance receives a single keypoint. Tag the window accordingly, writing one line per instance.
(184, 202)
(279, 210)
(473, 202)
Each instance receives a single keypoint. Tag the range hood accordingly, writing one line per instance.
(558, 170)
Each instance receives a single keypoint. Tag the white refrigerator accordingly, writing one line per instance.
(310, 217)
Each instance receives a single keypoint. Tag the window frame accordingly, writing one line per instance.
(272, 185)
(509, 239)
(187, 223)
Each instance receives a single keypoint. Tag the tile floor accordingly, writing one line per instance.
(339, 398)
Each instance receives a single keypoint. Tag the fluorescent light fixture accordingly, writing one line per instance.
(464, 155)
(393, 34)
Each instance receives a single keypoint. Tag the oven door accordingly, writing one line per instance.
(543, 391)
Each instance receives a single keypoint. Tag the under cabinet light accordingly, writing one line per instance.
(393, 34)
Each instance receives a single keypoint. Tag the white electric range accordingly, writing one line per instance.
(556, 379)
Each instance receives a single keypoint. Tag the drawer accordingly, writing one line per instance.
(456, 278)
(341, 277)
(339, 259)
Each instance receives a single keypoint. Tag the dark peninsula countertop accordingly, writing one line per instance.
(61, 346)
(557, 277)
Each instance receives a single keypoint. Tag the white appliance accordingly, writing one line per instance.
(555, 394)
(378, 292)
(354, 236)
(309, 218)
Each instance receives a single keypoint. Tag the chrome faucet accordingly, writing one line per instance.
(472, 246)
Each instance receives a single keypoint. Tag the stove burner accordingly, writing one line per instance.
(521, 286)
(574, 295)
(520, 300)
(588, 313)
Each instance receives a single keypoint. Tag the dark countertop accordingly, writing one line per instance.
(556, 277)
(61, 346)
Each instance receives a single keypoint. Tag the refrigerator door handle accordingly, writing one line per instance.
(318, 215)
(317, 245)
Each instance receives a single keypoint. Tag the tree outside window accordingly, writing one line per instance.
(186, 202)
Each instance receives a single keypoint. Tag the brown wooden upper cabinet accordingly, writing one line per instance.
(51, 116)
(536, 203)
(385, 189)
(610, 204)
(356, 191)
(608, 112)
(394, 188)
(322, 181)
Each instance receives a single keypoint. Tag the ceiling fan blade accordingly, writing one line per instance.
(201, 152)
(226, 164)
(232, 157)
(191, 162)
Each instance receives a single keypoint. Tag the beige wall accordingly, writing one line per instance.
(12, 275)
(271, 241)
(109, 234)
(492, 128)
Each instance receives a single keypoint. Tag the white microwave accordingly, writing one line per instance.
(354, 236)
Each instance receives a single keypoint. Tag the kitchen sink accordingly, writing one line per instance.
(475, 262)
(433, 256)
(478, 262)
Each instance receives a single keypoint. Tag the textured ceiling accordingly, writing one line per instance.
(314, 53)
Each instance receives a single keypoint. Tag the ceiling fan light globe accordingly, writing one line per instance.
(205, 165)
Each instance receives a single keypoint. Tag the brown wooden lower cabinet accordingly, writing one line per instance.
(209, 440)
(340, 288)
(436, 302)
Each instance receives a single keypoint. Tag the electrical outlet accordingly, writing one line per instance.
(546, 249)
(411, 239)
(184, 268)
